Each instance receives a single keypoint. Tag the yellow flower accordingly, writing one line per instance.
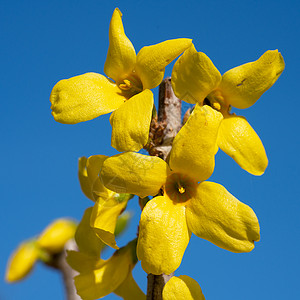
(55, 236)
(103, 277)
(51, 241)
(22, 261)
(207, 209)
(126, 91)
(196, 80)
(87, 261)
(182, 288)
(108, 204)
(86, 239)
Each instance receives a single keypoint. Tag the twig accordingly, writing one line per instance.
(169, 116)
(59, 262)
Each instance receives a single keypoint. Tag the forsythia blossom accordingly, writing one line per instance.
(99, 277)
(51, 241)
(112, 275)
(196, 80)
(22, 261)
(207, 209)
(126, 91)
(183, 201)
(55, 236)
(108, 204)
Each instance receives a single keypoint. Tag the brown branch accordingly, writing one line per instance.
(67, 272)
(169, 118)
(59, 263)
(169, 114)
(156, 284)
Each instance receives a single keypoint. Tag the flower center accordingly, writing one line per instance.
(131, 85)
(180, 188)
(216, 100)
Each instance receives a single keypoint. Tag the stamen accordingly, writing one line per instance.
(127, 85)
(181, 189)
(130, 85)
(216, 105)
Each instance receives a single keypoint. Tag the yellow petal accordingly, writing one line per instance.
(105, 279)
(55, 236)
(237, 139)
(163, 236)
(83, 178)
(94, 165)
(152, 60)
(121, 55)
(21, 261)
(81, 261)
(217, 216)
(242, 86)
(104, 219)
(193, 151)
(131, 122)
(86, 238)
(194, 76)
(84, 97)
(134, 173)
(129, 289)
(182, 288)
(88, 173)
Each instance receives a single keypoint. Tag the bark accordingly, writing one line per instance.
(59, 263)
(169, 123)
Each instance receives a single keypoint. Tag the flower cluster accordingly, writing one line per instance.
(175, 195)
(183, 202)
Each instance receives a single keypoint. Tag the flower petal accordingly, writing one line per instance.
(22, 261)
(86, 238)
(242, 86)
(129, 289)
(105, 279)
(217, 216)
(134, 173)
(82, 262)
(121, 55)
(55, 236)
(238, 139)
(194, 76)
(104, 219)
(152, 60)
(88, 173)
(193, 151)
(182, 288)
(163, 236)
(84, 97)
(94, 165)
(131, 122)
(84, 179)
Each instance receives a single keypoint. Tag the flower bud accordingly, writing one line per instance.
(55, 236)
(22, 261)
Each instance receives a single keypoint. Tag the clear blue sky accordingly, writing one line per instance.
(45, 41)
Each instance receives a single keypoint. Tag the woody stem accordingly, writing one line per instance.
(59, 263)
(169, 114)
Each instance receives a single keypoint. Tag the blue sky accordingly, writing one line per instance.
(45, 41)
